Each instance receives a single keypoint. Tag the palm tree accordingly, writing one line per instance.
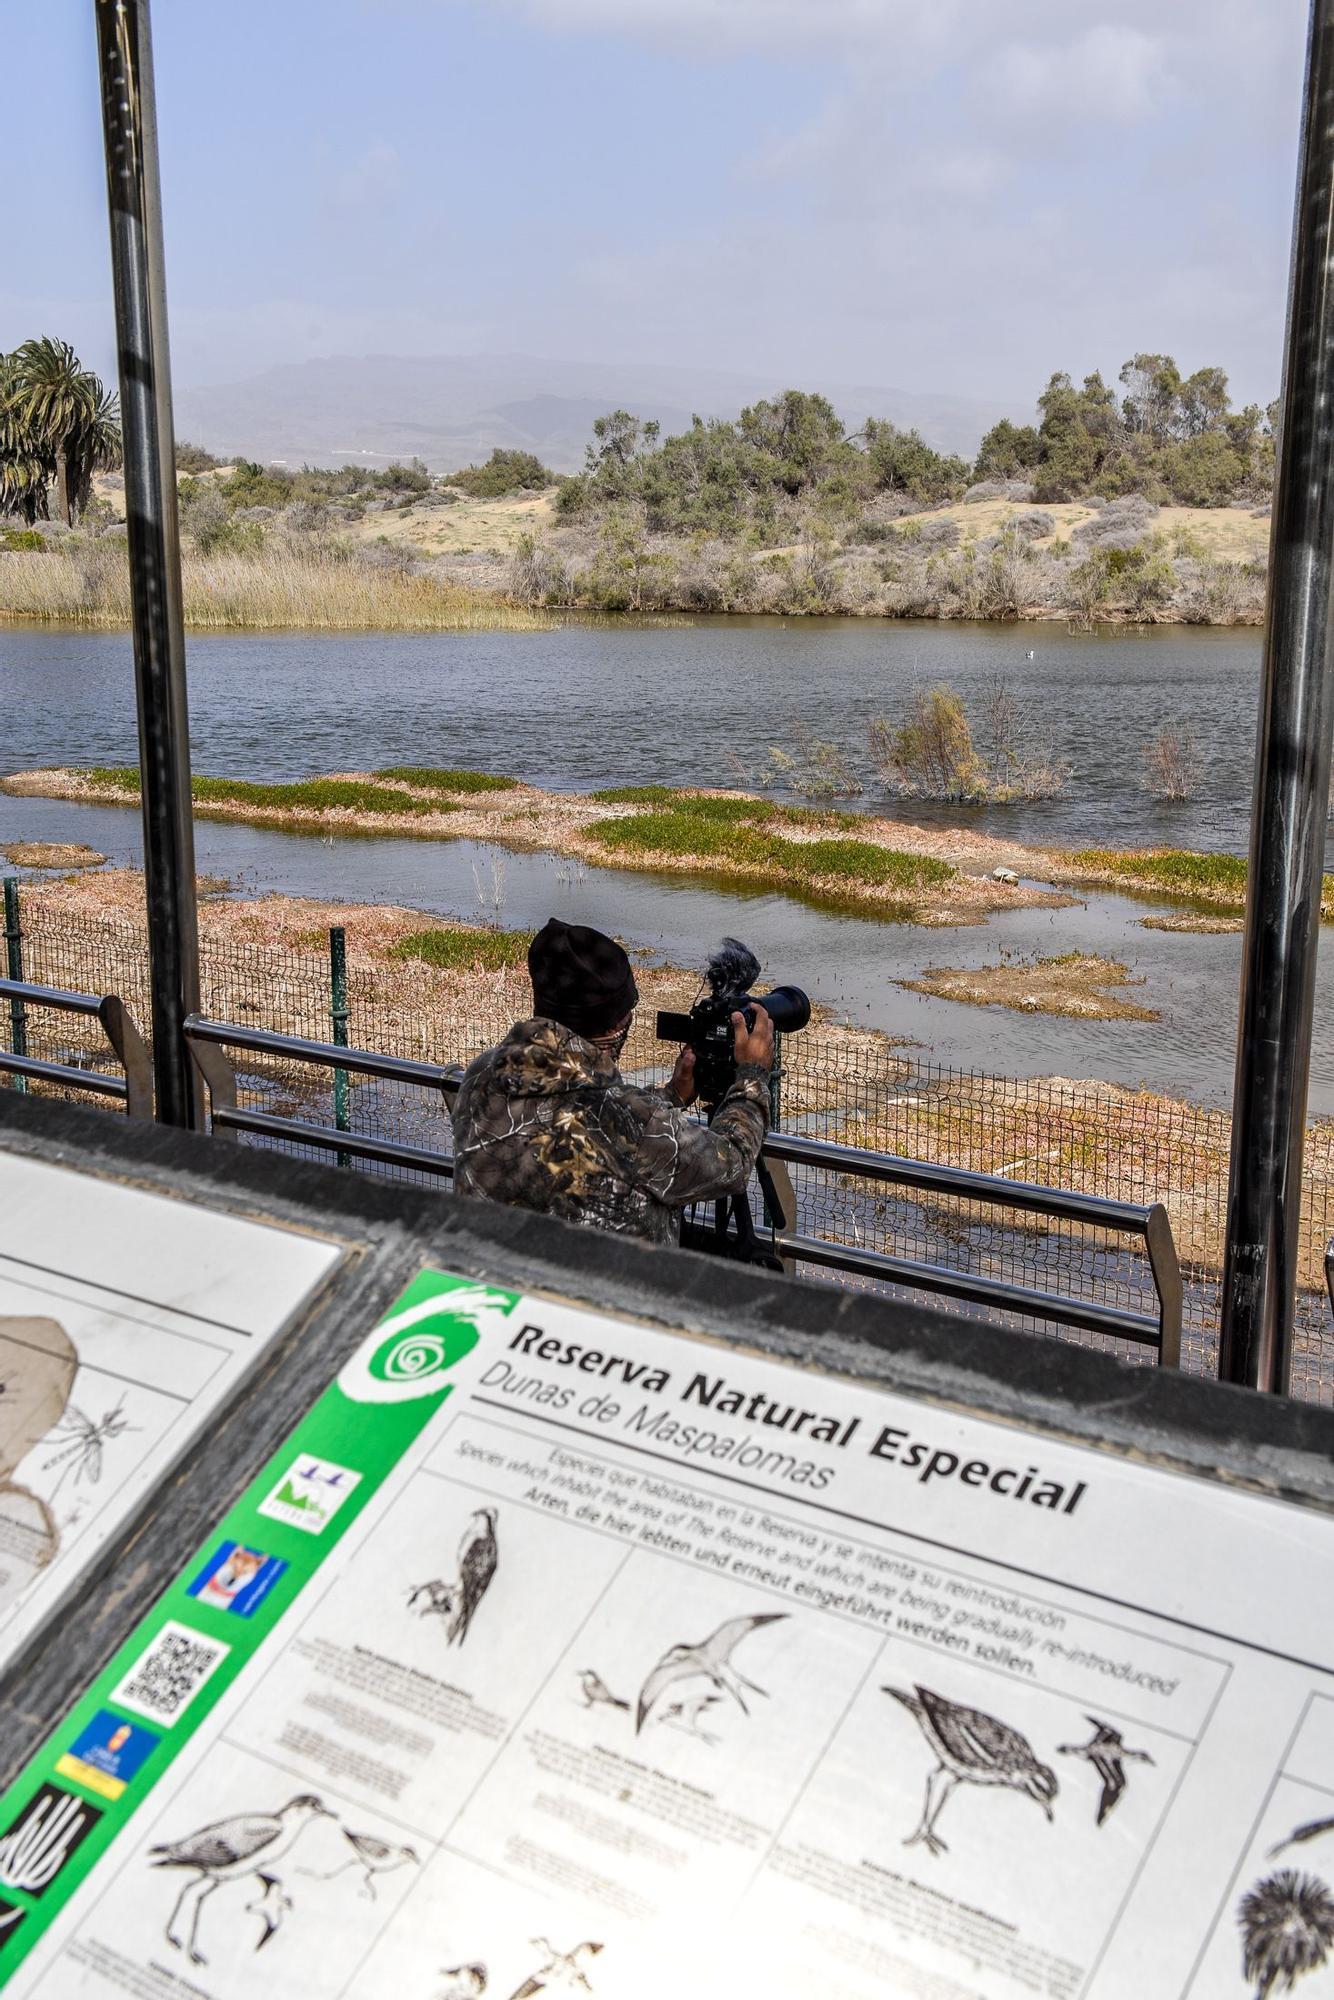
(1287, 1929)
(66, 407)
(26, 468)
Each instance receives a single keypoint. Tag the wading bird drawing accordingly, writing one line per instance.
(1107, 1753)
(712, 1657)
(564, 1971)
(372, 1855)
(1287, 1929)
(971, 1749)
(228, 1850)
(595, 1691)
(82, 1453)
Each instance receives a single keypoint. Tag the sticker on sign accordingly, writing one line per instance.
(167, 1676)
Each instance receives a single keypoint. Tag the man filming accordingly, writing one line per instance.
(546, 1121)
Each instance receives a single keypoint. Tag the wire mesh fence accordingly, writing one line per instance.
(845, 1085)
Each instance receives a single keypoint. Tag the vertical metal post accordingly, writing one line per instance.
(1291, 788)
(134, 200)
(339, 1015)
(18, 1017)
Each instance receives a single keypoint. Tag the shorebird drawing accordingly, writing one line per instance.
(1310, 1830)
(1109, 1756)
(971, 1749)
(711, 1657)
(372, 1855)
(466, 1982)
(228, 1850)
(595, 1691)
(688, 1715)
(564, 1971)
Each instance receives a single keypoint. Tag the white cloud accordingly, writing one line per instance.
(1111, 71)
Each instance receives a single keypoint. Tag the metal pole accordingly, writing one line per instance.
(18, 1018)
(1291, 788)
(134, 200)
(338, 1015)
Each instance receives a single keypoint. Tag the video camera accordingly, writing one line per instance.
(707, 1028)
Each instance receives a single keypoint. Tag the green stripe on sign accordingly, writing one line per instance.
(189, 1649)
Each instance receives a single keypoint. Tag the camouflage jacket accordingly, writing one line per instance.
(546, 1121)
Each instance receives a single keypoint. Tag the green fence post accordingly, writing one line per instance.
(18, 1018)
(338, 1012)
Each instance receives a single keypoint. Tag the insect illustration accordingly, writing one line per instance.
(82, 1453)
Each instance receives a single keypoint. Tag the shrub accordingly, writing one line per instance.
(1172, 762)
(931, 755)
(193, 458)
(504, 472)
(23, 540)
(426, 778)
(453, 947)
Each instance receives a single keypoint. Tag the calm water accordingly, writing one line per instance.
(587, 706)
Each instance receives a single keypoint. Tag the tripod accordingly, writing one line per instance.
(731, 1231)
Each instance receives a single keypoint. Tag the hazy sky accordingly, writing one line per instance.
(956, 195)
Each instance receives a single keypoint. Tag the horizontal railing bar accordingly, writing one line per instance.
(329, 1055)
(297, 1132)
(997, 1292)
(50, 996)
(52, 1072)
(925, 1175)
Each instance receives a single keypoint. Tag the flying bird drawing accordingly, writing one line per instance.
(271, 1907)
(595, 1690)
(712, 1657)
(228, 1850)
(564, 1971)
(971, 1749)
(373, 1856)
(1311, 1829)
(1109, 1756)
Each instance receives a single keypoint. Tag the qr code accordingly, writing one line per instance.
(164, 1680)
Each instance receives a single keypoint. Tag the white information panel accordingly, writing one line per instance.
(126, 1321)
(645, 1669)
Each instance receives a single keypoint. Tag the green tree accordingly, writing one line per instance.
(71, 414)
(26, 465)
(504, 472)
(903, 462)
(1152, 383)
(1007, 450)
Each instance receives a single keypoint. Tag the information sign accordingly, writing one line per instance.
(555, 1655)
(126, 1321)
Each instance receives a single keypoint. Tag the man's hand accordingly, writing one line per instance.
(753, 1045)
(683, 1085)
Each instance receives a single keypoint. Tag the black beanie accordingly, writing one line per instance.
(580, 978)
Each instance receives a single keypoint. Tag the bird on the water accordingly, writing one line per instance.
(564, 1971)
(712, 1657)
(1107, 1753)
(373, 1856)
(971, 1749)
(229, 1849)
(595, 1691)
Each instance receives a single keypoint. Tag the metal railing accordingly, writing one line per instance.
(208, 1041)
(134, 1090)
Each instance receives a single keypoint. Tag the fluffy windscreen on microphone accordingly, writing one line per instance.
(733, 968)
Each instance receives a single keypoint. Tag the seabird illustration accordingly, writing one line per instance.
(564, 1971)
(688, 1715)
(372, 1855)
(971, 1749)
(711, 1657)
(1310, 1830)
(466, 1982)
(595, 1690)
(227, 1850)
(272, 1906)
(1108, 1755)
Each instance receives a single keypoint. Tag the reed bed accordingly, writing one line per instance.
(319, 589)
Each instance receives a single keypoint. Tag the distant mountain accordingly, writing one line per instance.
(453, 409)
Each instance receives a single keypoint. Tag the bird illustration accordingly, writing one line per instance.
(595, 1690)
(478, 1556)
(564, 1971)
(1108, 1755)
(712, 1657)
(1310, 1830)
(688, 1715)
(372, 1855)
(272, 1906)
(440, 1596)
(226, 1851)
(466, 1982)
(972, 1749)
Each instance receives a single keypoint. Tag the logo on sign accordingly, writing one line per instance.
(411, 1352)
(310, 1493)
(236, 1579)
(107, 1754)
(11, 1916)
(35, 1847)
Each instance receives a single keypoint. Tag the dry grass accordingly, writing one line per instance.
(279, 586)
(495, 526)
(51, 854)
(1078, 985)
(1192, 923)
(1225, 533)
